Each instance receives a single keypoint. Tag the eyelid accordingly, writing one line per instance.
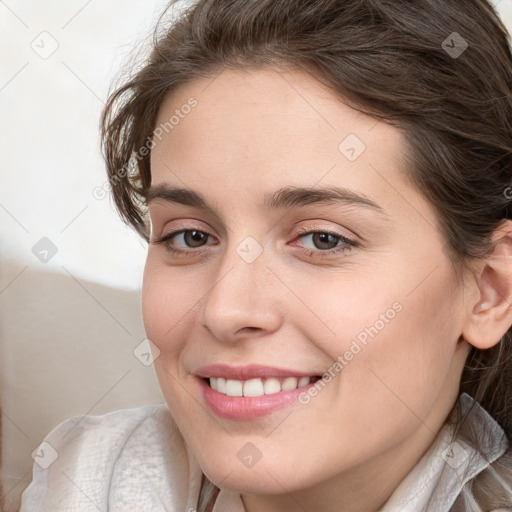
(348, 245)
(302, 230)
(312, 227)
(192, 225)
(165, 240)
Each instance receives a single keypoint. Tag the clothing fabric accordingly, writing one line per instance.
(136, 460)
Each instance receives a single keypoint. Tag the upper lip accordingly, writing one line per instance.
(252, 371)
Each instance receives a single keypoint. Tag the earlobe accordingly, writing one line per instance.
(491, 316)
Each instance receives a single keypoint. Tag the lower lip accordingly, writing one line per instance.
(245, 407)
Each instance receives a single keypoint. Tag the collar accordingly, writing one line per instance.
(454, 458)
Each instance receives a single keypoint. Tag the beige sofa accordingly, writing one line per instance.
(66, 349)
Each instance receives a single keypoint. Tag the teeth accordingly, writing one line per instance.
(256, 387)
(253, 387)
(303, 381)
(272, 386)
(289, 383)
(234, 387)
(221, 385)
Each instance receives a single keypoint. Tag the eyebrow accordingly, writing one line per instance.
(285, 197)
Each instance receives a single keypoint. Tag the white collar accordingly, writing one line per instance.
(438, 478)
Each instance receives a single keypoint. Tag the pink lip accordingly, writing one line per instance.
(252, 371)
(243, 407)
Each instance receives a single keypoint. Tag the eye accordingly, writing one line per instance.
(191, 238)
(326, 243)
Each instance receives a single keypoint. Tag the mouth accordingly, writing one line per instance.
(253, 391)
(258, 386)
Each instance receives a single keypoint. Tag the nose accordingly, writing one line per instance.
(243, 299)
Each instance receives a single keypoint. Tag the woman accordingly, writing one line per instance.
(325, 187)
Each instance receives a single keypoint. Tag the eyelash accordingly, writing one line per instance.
(348, 246)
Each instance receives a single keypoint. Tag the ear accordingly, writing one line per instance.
(489, 312)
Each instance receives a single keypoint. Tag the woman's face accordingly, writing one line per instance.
(281, 271)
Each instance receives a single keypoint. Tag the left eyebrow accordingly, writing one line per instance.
(285, 197)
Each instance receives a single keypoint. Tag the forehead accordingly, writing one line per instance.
(254, 131)
(272, 107)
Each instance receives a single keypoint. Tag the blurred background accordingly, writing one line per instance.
(72, 339)
(70, 270)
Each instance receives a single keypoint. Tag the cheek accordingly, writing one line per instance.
(403, 365)
(391, 333)
(167, 313)
(347, 313)
(166, 305)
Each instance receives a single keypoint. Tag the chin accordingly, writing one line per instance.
(262, 478)
(248, 482)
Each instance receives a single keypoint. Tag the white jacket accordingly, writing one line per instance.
(135, 460)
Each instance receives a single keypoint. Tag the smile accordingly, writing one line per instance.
(245, 393)
(258, 387)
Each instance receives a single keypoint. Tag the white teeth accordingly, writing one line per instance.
(289, 383)
(272, 386)
(256, 387)
(221, 384)
(303, 381)
(253, 387)
(234, 387)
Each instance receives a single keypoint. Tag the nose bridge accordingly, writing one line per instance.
(241, 295)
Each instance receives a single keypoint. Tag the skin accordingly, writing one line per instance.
(352, 444)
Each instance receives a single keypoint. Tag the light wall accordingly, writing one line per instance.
(70, 321)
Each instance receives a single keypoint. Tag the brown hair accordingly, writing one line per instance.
(392, 59)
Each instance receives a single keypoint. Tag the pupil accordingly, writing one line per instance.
(196, 236)
(324, 239)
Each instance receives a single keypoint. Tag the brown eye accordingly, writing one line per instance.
(183, 241)
(321, 240)
(194, 238)
(324, 243)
